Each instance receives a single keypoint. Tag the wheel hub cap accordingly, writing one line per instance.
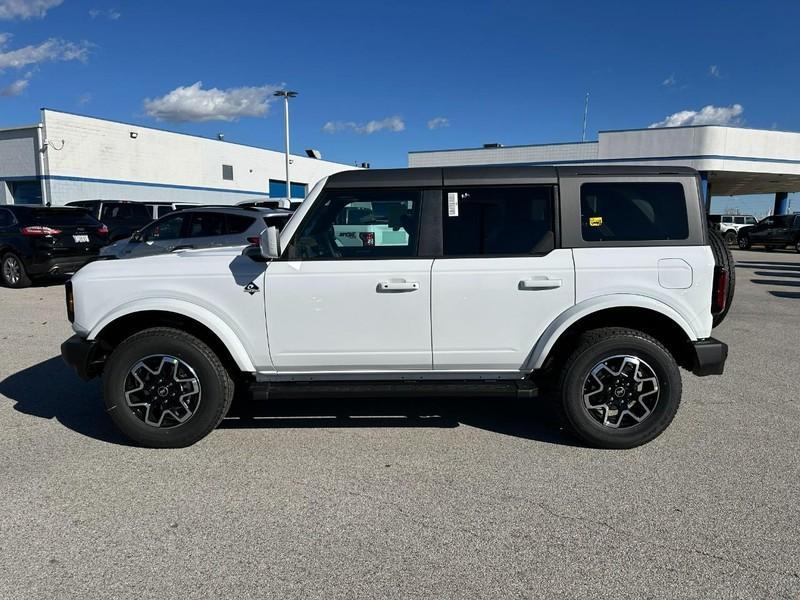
(162, 391)
(621, 391)
(11, 270)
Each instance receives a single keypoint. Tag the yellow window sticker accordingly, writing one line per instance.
(595, 221)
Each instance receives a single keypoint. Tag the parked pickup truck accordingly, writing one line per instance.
(591, 284)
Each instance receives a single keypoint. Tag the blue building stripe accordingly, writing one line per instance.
(173, 186)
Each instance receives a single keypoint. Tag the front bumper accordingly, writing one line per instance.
(708, 357)
(79, 353)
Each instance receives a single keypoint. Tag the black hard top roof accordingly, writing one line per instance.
(487, 175)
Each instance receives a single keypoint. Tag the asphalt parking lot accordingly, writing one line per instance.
(408, 498)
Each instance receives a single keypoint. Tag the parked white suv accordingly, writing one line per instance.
(729, 225)
(599, 282)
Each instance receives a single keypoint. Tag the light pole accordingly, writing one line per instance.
(286, 94)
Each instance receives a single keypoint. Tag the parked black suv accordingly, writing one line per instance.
(121, 217)
(37, 241)
(777, 231)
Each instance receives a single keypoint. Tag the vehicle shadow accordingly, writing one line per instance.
(795, 295)
(785, 282)
(788, 273)
(533, 419)
(50, 390)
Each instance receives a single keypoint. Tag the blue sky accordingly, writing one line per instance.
(378, 79)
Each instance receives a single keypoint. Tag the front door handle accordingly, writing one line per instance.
(397, 286)
(539, 283)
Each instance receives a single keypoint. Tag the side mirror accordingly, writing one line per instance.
(270, 243)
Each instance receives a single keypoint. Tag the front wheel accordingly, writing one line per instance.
(797, 246)
(620, 388)
(730, 238)
(744, 241)
(165, 388)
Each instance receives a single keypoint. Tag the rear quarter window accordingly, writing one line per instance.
(633, 211)
(238, 223)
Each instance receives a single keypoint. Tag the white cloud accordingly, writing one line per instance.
(26, 9)
(193, 103)
(112, 14)
(670, 81)
(15, 88)
(708, 115)
(393, 123)
(53, 49)
(438, 122)
(713, 71)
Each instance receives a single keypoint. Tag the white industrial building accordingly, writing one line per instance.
(731, 160)
(69, 157)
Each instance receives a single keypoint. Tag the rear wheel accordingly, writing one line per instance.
(723, 258)
(620, 388)
(797, 246)
(165, 388)
(730, 238)
(12, 271)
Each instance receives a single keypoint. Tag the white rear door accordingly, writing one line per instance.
(500, 282)
(366, 307)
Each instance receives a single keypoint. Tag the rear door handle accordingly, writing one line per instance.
(397, 286)
(539, 283)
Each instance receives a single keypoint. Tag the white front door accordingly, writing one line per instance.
(500, 282)
(356, 307)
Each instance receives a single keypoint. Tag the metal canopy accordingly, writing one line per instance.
(738, 183)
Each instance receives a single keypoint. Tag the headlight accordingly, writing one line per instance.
(70, 302)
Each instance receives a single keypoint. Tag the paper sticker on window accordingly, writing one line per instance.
(595, 221)
(452, 204)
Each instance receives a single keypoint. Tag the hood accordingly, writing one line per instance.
(184, 263)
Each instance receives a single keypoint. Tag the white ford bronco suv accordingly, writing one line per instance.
(592, 285)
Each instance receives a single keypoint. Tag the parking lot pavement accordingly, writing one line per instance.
(408, 498)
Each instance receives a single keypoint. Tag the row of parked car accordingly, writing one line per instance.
(772, 232)
(38, 241)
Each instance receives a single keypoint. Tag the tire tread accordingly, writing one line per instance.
(219, 370)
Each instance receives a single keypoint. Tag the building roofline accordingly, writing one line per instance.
(694, 127)
(20, 127)
(194, 135)
(503, 147)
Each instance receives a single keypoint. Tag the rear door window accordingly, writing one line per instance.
(206, 224)
(633, 211)
(497, 221)
(169, 228)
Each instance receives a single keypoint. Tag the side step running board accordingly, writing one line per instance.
(353, 389)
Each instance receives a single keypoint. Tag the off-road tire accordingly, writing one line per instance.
(730, 237)
(23, 280)
(592, 348)
(723, 258)
(215, 381)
